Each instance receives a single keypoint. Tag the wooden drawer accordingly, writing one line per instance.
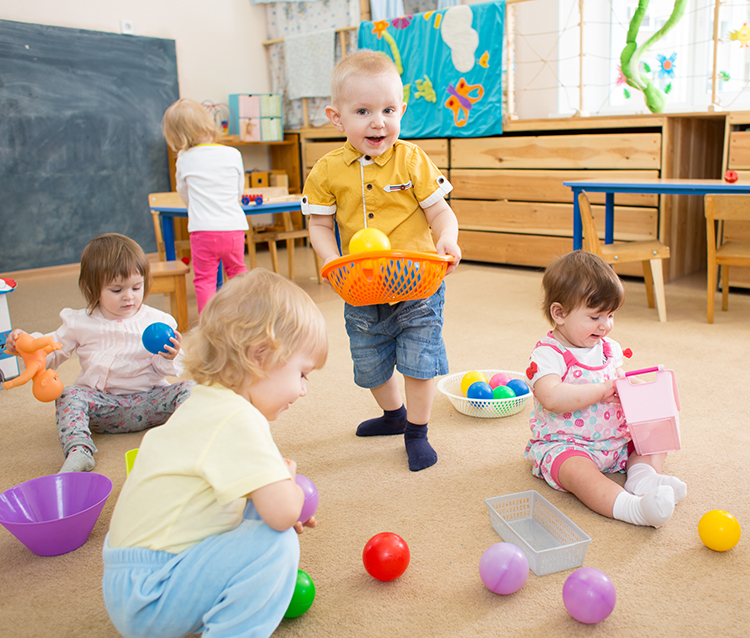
(550, 219)
(539, 186)
(581, 151)
(739, 150)
(522, 250)
(436, 149)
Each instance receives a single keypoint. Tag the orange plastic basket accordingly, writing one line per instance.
(386, 276)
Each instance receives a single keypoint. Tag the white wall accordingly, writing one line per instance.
(218, 42)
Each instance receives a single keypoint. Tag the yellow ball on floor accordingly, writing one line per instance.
(719, 530)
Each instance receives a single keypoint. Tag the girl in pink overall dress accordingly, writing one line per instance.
(598, 431)
(578, 428)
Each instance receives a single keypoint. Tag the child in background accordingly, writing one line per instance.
(379, 181)
(202, 537)
(122, 387)
(577, 424)
(210, 180)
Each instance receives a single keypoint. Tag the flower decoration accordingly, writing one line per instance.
(667, 64)
(380, 27)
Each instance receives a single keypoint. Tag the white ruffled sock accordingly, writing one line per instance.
(642, 478)
(654, 508)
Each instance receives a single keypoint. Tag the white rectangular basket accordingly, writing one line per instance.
(550, 540)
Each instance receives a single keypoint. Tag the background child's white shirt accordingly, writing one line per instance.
(192, 473)
(111, 352)
(548, 361)
(210, 180)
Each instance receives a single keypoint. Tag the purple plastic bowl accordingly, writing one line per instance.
(54, 514)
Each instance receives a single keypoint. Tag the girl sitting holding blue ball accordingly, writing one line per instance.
(122, 387)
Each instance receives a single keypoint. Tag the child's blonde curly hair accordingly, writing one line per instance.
(187, 123)
(256, 322)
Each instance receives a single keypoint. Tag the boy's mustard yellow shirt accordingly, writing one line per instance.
(389, 193)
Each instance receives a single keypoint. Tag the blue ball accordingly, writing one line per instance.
(479, 390)
(518, 386)
(156, 336)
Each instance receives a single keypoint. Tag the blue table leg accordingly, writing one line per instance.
(609, 224)
(577, 226)
(167, 232)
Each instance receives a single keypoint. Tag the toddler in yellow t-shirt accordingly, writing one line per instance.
(202, 537)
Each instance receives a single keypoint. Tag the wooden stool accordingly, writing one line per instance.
(285, 232)
(170, 278)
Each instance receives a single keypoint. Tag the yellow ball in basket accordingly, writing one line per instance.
(469, 378)
(368, 240)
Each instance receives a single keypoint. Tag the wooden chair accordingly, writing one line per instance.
(167, 200)
(720, 252)
(170, 278)
(649, 253)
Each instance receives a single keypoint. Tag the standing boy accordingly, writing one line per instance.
(378, 181)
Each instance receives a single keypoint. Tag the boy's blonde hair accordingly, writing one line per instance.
(109, 257)
(257, 321)
(581, 278)
(364, 62)
(186, 123)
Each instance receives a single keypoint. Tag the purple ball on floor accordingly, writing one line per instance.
(504, 568)
(589, 595)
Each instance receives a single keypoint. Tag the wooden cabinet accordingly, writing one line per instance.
(512, 206)
(737, 158)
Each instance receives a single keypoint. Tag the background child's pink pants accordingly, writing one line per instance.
(208, 249)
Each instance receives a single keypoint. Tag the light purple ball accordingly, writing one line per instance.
(311, 497)
(589, 595)
(503, 568)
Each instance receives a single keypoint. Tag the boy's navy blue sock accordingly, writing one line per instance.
(418, 448)
(392, 422)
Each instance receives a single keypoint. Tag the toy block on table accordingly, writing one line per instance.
(651, 410)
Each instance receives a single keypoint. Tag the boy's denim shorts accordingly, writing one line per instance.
(407, 335)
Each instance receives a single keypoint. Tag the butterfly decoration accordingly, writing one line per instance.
(463, 97)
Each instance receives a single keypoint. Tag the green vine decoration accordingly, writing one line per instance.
(631, 54)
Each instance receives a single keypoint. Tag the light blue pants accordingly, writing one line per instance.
(234, 584)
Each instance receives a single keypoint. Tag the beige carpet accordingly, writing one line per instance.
(668, 583)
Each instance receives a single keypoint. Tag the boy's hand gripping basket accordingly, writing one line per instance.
(386, 276)
(651, 410)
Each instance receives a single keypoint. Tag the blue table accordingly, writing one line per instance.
(168, 213)
(658, 186)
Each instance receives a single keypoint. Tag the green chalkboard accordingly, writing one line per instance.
(81, 145)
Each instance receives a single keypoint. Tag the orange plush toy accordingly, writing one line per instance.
(46, 385)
